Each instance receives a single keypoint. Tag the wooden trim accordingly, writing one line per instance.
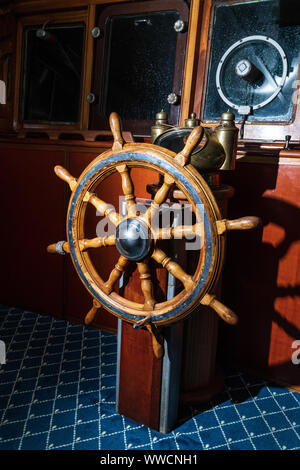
(269, 160)
(88, 67)
(16, 125)
(55, 16)
(189, 79)
(263, 153)
(202, 57)
(27, 6)
(40, 144)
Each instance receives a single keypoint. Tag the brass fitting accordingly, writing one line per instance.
(227, 134)
(160, 126)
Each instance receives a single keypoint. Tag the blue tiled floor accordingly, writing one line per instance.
(57, 391)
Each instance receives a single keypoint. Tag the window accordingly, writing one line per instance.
(52, 73)
(254, 59)
(139, 62)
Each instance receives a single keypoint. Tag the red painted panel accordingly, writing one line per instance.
(32, 217)
(262, 275)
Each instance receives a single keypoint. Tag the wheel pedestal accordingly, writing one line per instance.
(148, 389)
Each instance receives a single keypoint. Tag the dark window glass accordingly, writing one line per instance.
(52, 69)
(140, 63)
(270, 30)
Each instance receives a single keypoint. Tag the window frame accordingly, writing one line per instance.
(80, 16)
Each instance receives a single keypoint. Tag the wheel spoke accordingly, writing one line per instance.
(105, 209)
(159, 199)
(115, 275)
(183, 157)
(98, 242)
(179, 232)
(128, 189)
(146, 285)
(84, 244)
(173, 268)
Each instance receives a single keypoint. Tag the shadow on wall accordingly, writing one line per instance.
(261, 280)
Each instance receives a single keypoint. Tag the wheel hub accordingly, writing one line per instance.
(133, 239)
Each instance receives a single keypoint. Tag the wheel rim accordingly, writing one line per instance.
(197, 193)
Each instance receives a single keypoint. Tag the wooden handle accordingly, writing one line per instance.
(53, 247)
(195, 136)
(90, 316)
(157, 341)
(115, 126)
(157, 337)
(143, 322)
(244, 223)
(224, 312)
(64, 175)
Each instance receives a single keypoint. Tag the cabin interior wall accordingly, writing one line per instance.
(262, 272)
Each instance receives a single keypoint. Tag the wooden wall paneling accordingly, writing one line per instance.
(262, 271)
(33, 215)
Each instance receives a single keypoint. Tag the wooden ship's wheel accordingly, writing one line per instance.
(176, 171)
